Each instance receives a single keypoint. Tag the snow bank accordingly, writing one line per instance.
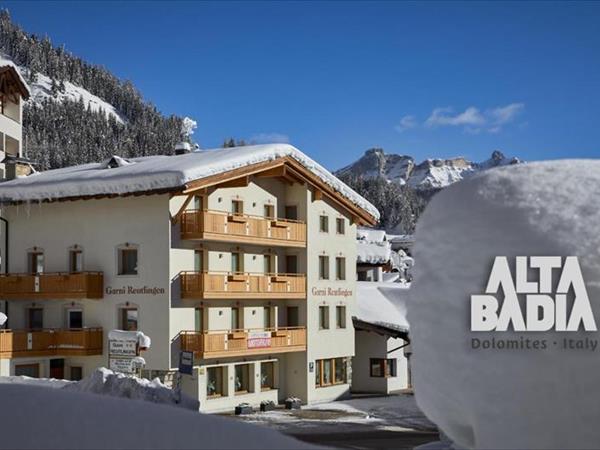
(130, 336)
(37, 417)
(163, 172)
(505, 398)
(106, 382)
(382, 303)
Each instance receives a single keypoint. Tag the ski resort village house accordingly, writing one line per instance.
(245, 257)
(13, 91)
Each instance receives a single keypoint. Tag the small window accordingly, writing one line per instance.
(236, 263)
(291, 212)
(198, 260)
(324, 224)
(128, 261)
(36, 262)
(340, 225)
(214, 382)
(269, 211)
(323, 317)
(199, 320)
(198, 202)
(383, 368)
(235, 319)
(323, 267)
(75, 261)
(237, 207)
(76, 373)
(75, 318)
(340, 268)
(267, 376)
(340, 316)
(128, 319)
(242, 378)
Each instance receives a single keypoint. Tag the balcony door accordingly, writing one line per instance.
(237, 265)
(291, 263)
(57, 368)
(75, 261)
(35, 318)
(268, 264)
(291, 212)
(36, 262)
(75, 318)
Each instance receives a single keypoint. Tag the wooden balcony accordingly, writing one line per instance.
(56, 285)
(242, 228)
(50, 342)
(208, 285)
(221, 344)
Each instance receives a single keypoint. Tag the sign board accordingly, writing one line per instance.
(186, 362)
(122, 348)
(122, 365)
(259, 339)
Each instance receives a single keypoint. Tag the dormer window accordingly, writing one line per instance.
(115, 161)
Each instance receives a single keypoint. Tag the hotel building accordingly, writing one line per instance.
(244, 256)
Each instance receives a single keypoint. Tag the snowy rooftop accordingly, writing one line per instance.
(162, 172)
(382, 303)
(370, 234)
(373, 252)
(4, 61)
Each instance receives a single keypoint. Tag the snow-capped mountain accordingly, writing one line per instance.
(429, 174)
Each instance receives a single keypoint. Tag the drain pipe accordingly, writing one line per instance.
(5, 263)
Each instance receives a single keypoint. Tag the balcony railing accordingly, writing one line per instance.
(227, 227)
(55, 285)
(50, 342)
(225, 343)
(209, 285)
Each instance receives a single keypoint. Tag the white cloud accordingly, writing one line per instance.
(505, 114)
(406, 123)
(270, 138)
(444, 116)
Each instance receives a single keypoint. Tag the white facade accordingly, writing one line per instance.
(103, 230)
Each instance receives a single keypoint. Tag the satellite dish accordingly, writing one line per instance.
(3, 319)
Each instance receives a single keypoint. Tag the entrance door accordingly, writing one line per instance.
(35, 318)
(57, 369)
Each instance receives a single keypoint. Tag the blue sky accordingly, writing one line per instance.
(425, 79)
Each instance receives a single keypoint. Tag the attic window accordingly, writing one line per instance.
(114, 162)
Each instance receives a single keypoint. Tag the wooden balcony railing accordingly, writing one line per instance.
(209, 285)
(227, 227)
(55, 285)
(225, 343)
(50, 342)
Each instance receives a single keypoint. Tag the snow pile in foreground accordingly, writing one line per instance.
(37, 417)
(106, 382)
(515, 398)
(163, 172)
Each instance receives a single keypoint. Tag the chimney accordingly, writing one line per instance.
(182, 148)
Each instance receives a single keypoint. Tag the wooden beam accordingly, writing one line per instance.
(279, 171)
(187, 201)
(236, 182)
(318, 195)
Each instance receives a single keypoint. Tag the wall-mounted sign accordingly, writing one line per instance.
(331, 292)
(186, 362)
(259, 339)
(132, 290)
(122, 348)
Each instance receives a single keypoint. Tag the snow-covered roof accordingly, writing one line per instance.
(370, 234)
(4, 62)
(373, 252)
(164, 172)
(382, 303)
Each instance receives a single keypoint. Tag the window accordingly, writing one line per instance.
(35, 318)
(292, 316)
(214, 382)
(323, 317)
(28, 370)
(75, 261)
(242, 378)
(340, 225)
(235, 318)
(237, 207)
(198, 202)
(237, 262)
(128, 319)
(267, 376)
(268, 323)
(340, 268)
(340, 316)
(324, 224)
(330, 371)
(383, 368)
(291, 264)
(269, 211)
(198, 260)
(128, 261)
(198, 319)
(36, 262)
(76, 373)
(323, 267)
(268, 264)
(75, 318)
(291, 212)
